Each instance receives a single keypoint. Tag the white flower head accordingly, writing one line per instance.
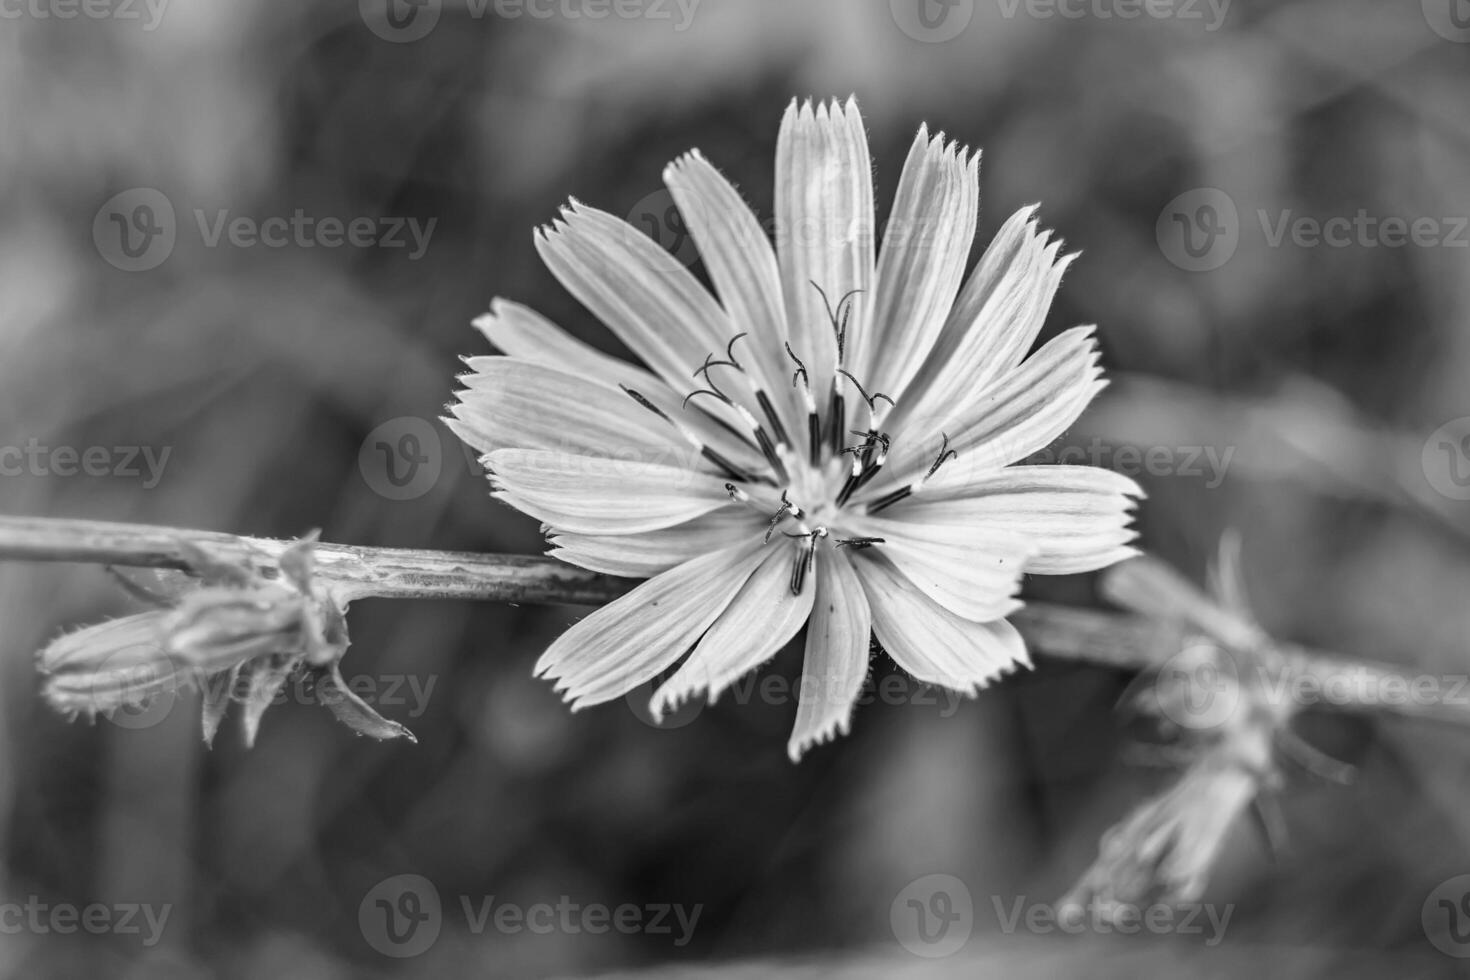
(823, 442)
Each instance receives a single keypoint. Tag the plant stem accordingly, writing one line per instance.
(349, 572)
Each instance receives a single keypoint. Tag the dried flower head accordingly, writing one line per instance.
(229, 630)
(824, 445)
(1215, 703)
(1163, 852)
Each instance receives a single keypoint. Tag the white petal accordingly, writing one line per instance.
(1077, 515)
(837, 643)
(825, 229)
(523, 333)
(742, 266)
(648, 554)
(975, 572)
(750, 631)
(512, 403)
(633, 639)
(921, 265)
(652, 304)
(994, 322)
(588, 495)
(932, 643)
(1024, 412)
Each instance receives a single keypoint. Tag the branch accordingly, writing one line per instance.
(349, 572)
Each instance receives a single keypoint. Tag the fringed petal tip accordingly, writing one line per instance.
(813, 105)
(939, 145)
(797, 747)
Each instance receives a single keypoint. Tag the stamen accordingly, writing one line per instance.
(761, 398)
(806, 558)
(838, 318)
(872, 399)
(730, 352)
(800, 374)
(787, 509)
(858, 544)
(711, 391)
(861, 476)
(741, 497)
(768, 449)
(900, 494)
(772, 417)
(731, 470)
(839, 416)
(945, 454)
(763, 441)
(813, 419)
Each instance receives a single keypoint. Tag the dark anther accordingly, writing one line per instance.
(768, 449)
(871, 440)
(806, 558)
(772, 418)
(800, 566)
(858, 544)
(838, 416)
(730, 468)
(637, 397)
(902, 493)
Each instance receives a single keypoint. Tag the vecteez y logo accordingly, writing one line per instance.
(934, 916)
(1199, 230)
(1446, 917)
(402, 458)
(410, 451)
(1450, 19)
(401, 916)
(1457, 457)
(659, 218)
(135, 230)
(1446, 459)
(932, 21)
(400, 21)
(1198, 688)
(940, 907)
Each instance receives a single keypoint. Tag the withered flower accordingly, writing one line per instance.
(1218, 701)
(229, 629)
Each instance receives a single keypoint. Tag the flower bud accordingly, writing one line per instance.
(116, 664)
(215, 628)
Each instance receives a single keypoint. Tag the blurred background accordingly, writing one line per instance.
(1310, 388)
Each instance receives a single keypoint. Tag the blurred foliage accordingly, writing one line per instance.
(263, 370)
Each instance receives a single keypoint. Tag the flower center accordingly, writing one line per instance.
(816, 477)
